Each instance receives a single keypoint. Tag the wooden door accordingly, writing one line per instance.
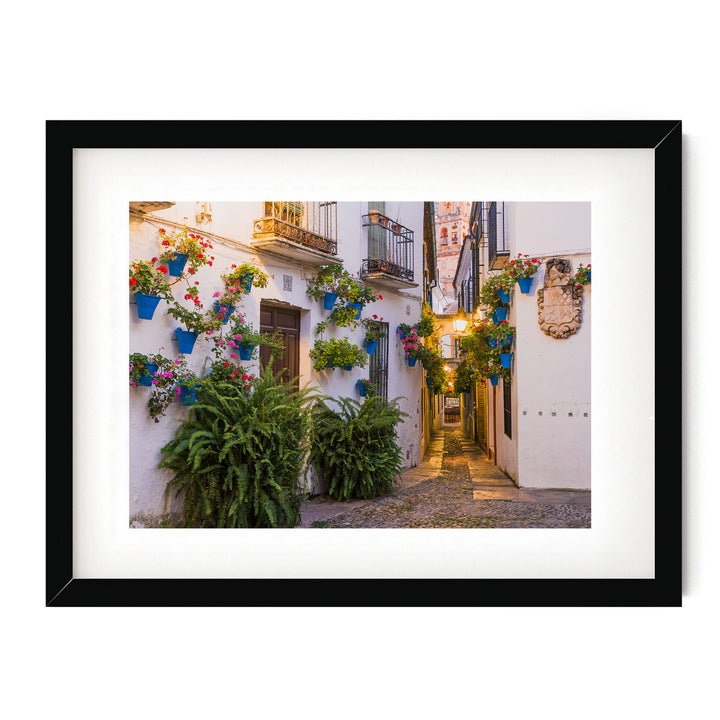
(285, 321)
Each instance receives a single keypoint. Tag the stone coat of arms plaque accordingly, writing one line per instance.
(560, 301)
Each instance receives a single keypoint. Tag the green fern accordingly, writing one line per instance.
(239, 456)
(355, 447)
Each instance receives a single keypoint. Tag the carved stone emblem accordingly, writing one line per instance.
(560, 302)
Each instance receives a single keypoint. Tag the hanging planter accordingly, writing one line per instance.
(361, 387)
(429, 382)
(347, 367)
(411, 361)
(227, 311)
(246, 351)
(188, 396)
(246, 282)
(371, 347)
(146, 305)
(504, 296)
(525, 284)
(492, 342)
(357, 308)
(507, 341)
(329, 300)
(501, 314)
(493, 379)
(176, 264)
(146, 379)
(186, 340)
(505, 359)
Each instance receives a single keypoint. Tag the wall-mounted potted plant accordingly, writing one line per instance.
(426, 326)
(337, 352)
(354, 294)
(195, 325)
(403, 329)
(189, 384)
(244, 336)
(374, 332)
(145, 368)
(324, 286)
(183, 247)
(344, 316)
(365, 388)
(522, 270)
(412, 346)
(582, 276)
(149, 285)
(245, 276)
(489, 297)
(504, 332)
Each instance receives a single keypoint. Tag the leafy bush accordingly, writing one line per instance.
(240, 455)
(356, 447)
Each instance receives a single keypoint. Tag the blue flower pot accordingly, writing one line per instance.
(504, 296)
(228, 311)
(347, 367)
(361, 388)
(590, 276)
(507, 341)
(493, 379)
(146, 380)
(501, 314)
(525, 284)
(186, 340)
(371, 347)
(411, 361)
(146, 305)
(188, 396)
(505, 359)
(246, 282)
(429, 382)
(358, 309)
(246, 351)
(329, 300)
(400, 333)
(492, 342)
(176, 264)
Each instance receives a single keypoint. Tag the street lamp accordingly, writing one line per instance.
(460, 322)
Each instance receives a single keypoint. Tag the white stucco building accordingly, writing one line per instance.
(290, 250)
(537, 426)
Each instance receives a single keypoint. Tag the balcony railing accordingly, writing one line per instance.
(309, 224)
(390, 248)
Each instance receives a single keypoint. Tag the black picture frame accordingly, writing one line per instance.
(63, 589)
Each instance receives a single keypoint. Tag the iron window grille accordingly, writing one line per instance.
(507, 411)
(313, 224)
(379, 363)
(391, 248)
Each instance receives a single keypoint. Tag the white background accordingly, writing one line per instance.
(522, 60)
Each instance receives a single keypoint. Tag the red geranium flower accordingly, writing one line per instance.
(133, 281)
(162, 269)
(226, 364)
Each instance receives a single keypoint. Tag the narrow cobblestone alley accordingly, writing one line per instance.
(454, 487)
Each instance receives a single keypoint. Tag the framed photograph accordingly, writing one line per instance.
(575, 415)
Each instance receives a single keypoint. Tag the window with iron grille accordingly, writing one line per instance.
(496, 232)
(379, 363)
(507, 401)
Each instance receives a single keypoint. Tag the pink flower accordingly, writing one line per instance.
(232, 355)
(217, 294)
(132, 383)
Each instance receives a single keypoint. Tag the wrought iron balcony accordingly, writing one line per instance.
(391, 252)
(304, 230)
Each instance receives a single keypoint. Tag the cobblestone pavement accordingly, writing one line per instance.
(454, 487)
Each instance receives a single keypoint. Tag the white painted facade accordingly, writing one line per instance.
(231, 235)
(549, 446)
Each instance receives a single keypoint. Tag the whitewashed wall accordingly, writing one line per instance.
(550, 446)
(234, 222)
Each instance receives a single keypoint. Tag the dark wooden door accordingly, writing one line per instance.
(285, 321)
